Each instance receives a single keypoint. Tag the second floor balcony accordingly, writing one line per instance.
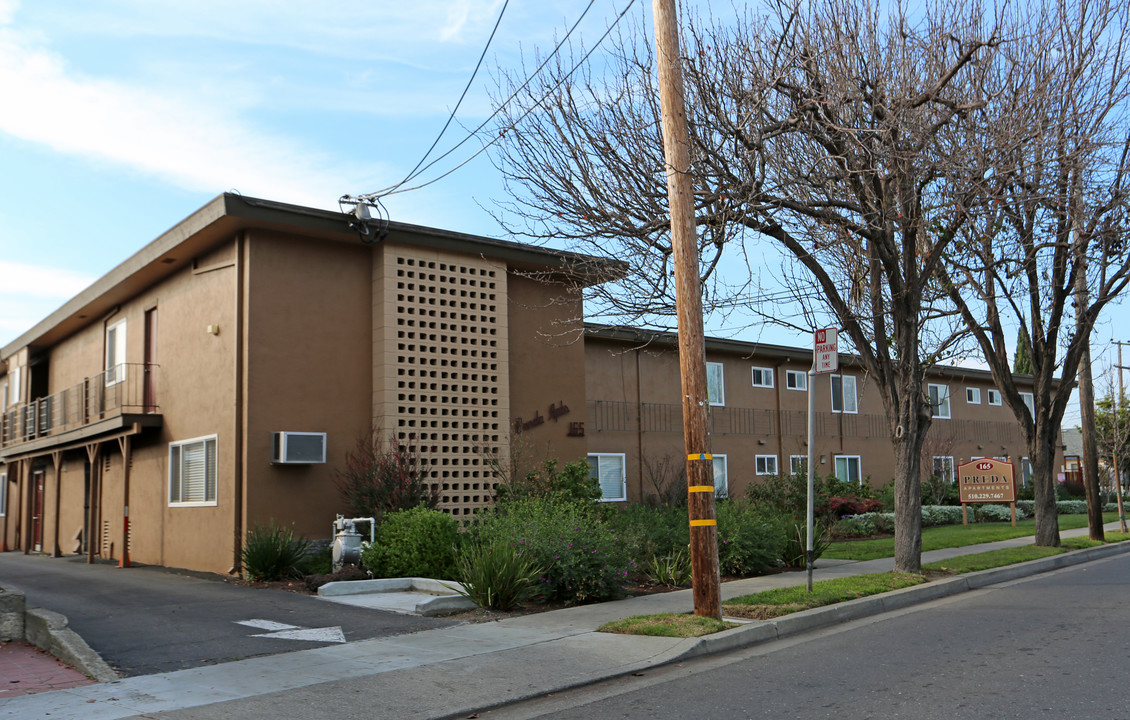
(100, 403)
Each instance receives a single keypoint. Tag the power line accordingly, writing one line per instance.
(374, 197)
(467, 87)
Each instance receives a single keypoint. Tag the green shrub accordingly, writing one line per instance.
(989, 512)
(749, 541)
(795, 534)
(271, 552)
(414, 543)
(496, 574)
(317, 563)
(878, 523)
(934, 515)
(582, 558)
(1071, 507)
(574, 481)
(850, 527)
(646, 531)
(673, 570)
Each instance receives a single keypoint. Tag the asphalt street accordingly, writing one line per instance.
(146, 620)
(1050, 646)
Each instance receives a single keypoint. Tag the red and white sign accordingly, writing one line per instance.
(826, 357)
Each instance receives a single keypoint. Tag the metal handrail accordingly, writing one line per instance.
(119, 390)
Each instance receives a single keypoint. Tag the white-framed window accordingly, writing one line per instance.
(994, 396)
(1025, 471)
(940, 400)
(4, 395)
(116, 353)
(721, 477)
(973, 396)
(715, 386)
(796, 380)
(3, 494)
(798, 463)
(1029, 400)
(844, 399)
(192, 472)
(944, 468)
(765, 465)
(762, 377)
(608, 470)
(847, 469)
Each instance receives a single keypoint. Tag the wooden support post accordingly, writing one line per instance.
(124, 445)
(705, 582)
(93, 455)
(57, 461)
(964, 515)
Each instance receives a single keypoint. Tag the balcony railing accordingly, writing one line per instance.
(123, 389)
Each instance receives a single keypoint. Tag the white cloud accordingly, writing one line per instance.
(38, 281)
(193, 142)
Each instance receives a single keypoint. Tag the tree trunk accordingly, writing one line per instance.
(908, 484)
(1043, 460)
(1090, 447)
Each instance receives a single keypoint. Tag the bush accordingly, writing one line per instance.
(995, 513)
(1071, 507)
(646, 532)
(582, 558)
(934, 515)
(850, 527)
(496, 575)
(573, 482)
(673, 570)
(878, 523)
(383, 476)
(272, 552)
(749, 542)
(414, 543)
(1070, 490)
(844, 505)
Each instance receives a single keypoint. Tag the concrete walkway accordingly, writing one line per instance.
(465, 668)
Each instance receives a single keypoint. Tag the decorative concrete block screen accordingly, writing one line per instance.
(452, 379)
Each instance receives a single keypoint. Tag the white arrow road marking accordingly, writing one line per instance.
(283, 631)
(267, 624)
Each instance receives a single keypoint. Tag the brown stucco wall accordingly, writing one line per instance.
(308, 369)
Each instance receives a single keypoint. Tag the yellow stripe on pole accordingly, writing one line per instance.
(700, 456)
(701, 488)
(703, 523)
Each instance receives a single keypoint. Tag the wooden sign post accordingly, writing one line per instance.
(986, 480)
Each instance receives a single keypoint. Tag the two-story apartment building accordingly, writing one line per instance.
(759, 413)
(217, 378)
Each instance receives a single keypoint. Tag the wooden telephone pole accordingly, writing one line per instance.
(688, 309)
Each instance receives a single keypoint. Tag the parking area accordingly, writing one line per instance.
(145, 620)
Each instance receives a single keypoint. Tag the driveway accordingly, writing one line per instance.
(145, 620)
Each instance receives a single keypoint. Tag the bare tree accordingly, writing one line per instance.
(1055, 218)
(832, 131)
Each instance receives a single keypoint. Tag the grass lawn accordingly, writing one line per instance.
(782, 601)
(949, 536)
(666, 625)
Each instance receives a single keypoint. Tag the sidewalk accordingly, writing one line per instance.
(457, 670)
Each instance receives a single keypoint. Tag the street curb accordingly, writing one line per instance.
(785, 626)
(48, 631)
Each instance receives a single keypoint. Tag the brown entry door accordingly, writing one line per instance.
(37, 483)
(150, 358)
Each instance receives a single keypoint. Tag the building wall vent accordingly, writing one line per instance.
(298, 448)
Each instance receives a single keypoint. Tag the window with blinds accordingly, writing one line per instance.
(192, 472)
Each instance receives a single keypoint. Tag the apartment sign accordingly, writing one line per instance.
(986, 480)
(826, 357)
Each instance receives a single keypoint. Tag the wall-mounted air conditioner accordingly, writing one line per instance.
(298, 448)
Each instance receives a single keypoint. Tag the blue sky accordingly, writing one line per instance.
(122, 117)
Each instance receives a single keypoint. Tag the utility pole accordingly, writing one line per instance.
(705, 581)
(1118, 440)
